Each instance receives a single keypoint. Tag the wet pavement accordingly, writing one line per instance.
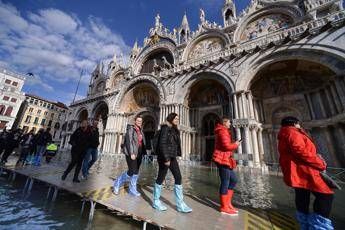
(254, 192)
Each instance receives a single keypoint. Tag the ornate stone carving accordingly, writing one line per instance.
(266, 25)
(205, 47)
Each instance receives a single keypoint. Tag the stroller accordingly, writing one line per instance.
(51, 151)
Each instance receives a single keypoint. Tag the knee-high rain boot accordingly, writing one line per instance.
(133, 185)
(119, 182)
(318, 222)
(302, 219)
(231, 194)
(180, 204)
(157, 204)
(224, 206)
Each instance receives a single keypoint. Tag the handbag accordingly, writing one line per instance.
(329, 181)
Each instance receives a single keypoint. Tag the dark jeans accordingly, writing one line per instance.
(134, 165)
(322, 204)
(163, 170)
(24, 153)
(77, 160)
(87, 163)
(228, 179)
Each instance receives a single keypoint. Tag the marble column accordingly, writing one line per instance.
(240, 106)
(250, 105)
(247, 146)
(244, 105)
(234, 99)
(256, 154)
(323, 111)
(261, 145)
(239, 150)
(336, 98)
(310, 106)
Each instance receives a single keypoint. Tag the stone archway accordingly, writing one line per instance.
(209, 122)
(207, 100)
(100, 113)
(307, 90)
(143, 99)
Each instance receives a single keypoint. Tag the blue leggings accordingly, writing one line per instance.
(228, 179)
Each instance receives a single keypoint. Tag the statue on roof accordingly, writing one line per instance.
(202, 16)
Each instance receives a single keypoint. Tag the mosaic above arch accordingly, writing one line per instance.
(265, 25)
(205, 47)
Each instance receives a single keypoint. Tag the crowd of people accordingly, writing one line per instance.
(300, 163)
(32, 146)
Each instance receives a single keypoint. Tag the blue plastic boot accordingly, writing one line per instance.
(317, 222)
(123, 178)
(180, 204)
(133, 186)
(302, 219)
(157, 204)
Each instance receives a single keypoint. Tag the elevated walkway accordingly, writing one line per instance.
(97, 191)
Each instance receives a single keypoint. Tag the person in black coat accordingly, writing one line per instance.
(92, 151)
(26, 143)
(169, 145)
(80, 141)
(3, 136)
(42, 140)
(11, 142)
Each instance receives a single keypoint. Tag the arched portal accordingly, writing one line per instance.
(143, 99)
(100, 113)
(209, 122)
(208, 99)
(307, 90)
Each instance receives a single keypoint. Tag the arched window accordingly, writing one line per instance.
(2, 109)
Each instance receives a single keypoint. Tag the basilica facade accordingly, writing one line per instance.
(277, 58)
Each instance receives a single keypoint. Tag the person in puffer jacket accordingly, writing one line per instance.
(169, 145)
(301, 167)
(223, 157)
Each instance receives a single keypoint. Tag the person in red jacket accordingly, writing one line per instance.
(301, 167)
(222, 155)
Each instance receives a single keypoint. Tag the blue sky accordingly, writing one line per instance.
(55, 39)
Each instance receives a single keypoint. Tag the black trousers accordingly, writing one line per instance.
(6, 154)
(134, 165)
(322, 204)
(77, 161)
(163, 170)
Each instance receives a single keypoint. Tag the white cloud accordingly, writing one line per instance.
(54, 45)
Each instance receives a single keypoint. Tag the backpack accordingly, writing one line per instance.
(155, 142)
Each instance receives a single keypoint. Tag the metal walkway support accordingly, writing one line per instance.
(54, 190)
(92, 208)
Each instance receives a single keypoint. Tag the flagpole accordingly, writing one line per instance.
(76, 90)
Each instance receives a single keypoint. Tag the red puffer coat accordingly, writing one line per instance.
(223, 147)
(299, 161)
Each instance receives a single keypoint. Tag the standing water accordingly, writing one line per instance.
(253, 191)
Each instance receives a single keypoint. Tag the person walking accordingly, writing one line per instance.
(3, 137)
(26, 144)
(223, 157)
(12, 141)
(92, 151)
(79, 140)
(169, 148)
(134, 147)
(301, 167)
(42, 140)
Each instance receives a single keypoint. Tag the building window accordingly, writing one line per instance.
(46, 113)
(3, 124)
(2, 109)
(45, 104)
(43, 121)
(36, 102)
(13, 99)
(50, 123)
(52, 115)
(9, 111)
(36, 121)
(31, 109)
(25, 129)
(8, 81)
(6, 98)
(15, 83)
(27, 120)
(39, 112)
